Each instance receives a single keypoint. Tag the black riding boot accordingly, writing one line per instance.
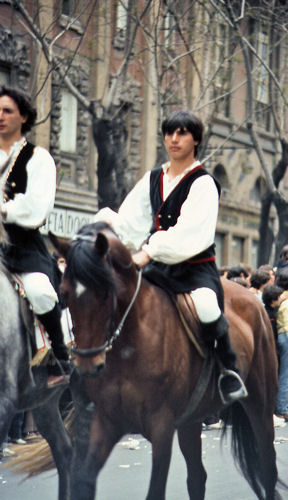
(231, 387)
(52, 324)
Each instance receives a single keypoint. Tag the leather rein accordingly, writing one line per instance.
(113, 332)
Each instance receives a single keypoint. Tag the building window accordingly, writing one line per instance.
(121, 20)
(237, 250)
(261, 78)
(221, 66)
(221, 176)
(68, 18)
(254, 254)
(121, 15)
(68, 7)
(262, 75)
(168, 28)
(219, 241)
(258, 191)
(4, 76)
(14, 59)
(68, 134)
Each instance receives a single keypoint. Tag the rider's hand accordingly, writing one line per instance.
(140, 258)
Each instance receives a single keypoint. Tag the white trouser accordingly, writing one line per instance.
(39, 291)
(206, 304)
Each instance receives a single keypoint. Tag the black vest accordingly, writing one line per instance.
(16, 181)
(26, 251)
(165, 213)
(196, 272)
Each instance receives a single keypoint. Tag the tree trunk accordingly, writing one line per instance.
(110, 138)
(282, 212)
(266, 236)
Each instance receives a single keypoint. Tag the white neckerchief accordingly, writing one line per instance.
(5, 158)
(168, 183)
(7, 161)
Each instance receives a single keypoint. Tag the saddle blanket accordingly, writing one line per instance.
(42, 340)
(41, 337)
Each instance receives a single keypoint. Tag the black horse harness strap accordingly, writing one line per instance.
(187, 319)
(200, 389)
(121, 323)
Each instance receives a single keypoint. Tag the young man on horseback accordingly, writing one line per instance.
(28, 181)
(171, 215)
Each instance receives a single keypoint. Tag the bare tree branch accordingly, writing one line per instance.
(52, 60)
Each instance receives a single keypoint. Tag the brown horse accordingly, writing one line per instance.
(129, 331)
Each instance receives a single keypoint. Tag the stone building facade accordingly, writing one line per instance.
(93, 46)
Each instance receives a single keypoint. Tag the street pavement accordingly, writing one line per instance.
(126, 473)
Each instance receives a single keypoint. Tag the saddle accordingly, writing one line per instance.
(38, 342)
(189, 318)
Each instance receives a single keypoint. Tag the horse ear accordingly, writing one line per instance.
(101, 244)
(61, 245)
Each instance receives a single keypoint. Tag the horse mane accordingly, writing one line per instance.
(84, 264)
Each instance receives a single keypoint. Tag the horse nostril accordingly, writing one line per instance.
(100, 368)
(92, 373)
(97, 370)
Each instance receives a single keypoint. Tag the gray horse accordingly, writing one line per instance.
(23, 389)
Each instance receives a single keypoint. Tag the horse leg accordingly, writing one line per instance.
(162, 431)
(189, 437)
(91, 452)
(50, 424)
(7, 411)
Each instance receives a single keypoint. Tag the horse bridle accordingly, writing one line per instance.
(113, 332)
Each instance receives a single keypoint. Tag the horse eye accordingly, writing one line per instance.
(64, 294)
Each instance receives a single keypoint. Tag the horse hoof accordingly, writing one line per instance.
(6, 452)
(285, 416)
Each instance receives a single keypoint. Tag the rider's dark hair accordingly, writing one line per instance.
(237, 271)
(271, 293)
(284, 253)
(259, 278)
(282, 278)
(24, 105)
(184, 120)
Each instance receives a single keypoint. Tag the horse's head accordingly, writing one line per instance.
(90, 289)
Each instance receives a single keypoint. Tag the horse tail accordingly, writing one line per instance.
(31, 459)
(244, 447)
(35, 458)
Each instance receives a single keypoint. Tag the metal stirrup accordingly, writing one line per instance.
(235, 395)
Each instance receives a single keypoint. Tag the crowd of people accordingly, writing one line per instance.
(270, 285)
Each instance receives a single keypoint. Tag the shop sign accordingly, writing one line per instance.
(65, 223)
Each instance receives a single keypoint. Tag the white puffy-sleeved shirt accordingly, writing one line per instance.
(30, 209)
(193, 232)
